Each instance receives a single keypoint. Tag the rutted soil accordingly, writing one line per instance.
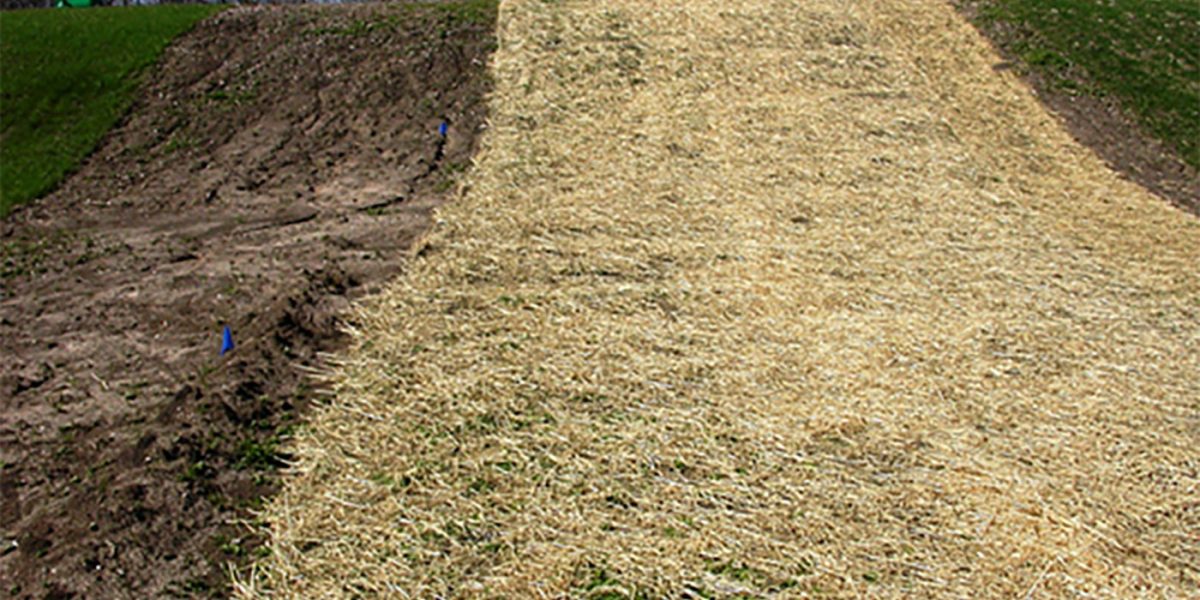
(280, 162)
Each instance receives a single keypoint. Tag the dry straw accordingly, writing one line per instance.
(764, 298)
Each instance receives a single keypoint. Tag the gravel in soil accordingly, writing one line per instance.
(280, 162)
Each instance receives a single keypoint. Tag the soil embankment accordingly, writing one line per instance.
(279, 163)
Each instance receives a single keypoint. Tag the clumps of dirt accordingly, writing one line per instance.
(1100, 123)
(281, 162)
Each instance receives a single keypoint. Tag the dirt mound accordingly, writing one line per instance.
(281, 162)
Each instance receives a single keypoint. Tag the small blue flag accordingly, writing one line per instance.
(443, 128)
(226, 341)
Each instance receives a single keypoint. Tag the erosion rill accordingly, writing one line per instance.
(753, 298)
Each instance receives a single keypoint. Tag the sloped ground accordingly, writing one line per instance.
(279, 162)
(764, 298)
(1159, 39)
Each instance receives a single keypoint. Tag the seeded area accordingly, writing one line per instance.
(763, 298)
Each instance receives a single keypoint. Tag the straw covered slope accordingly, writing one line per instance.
(764, 298)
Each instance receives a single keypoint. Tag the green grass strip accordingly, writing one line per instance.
(66, 77)
(1145, 53)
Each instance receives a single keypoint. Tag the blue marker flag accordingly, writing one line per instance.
(443, 128)
(226, 341)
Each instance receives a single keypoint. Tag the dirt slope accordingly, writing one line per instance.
(780, 299)
(280, 162)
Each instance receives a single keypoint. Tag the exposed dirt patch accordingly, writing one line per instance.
(281, 163)
(1102, 124)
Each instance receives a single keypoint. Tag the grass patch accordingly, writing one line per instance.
(258, 455)
(68, 77)
(470, 12)
(1143, 53)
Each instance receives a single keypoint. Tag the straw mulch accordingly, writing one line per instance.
(764, 298)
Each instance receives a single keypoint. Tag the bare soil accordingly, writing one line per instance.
(280, 162)
(1101, 124)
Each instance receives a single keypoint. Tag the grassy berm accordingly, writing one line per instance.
(67, 77)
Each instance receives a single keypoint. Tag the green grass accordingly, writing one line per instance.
(1143, 53)
(66, 77)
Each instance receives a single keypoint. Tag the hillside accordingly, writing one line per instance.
(763, 299)
(68, 77)
(277, 163)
